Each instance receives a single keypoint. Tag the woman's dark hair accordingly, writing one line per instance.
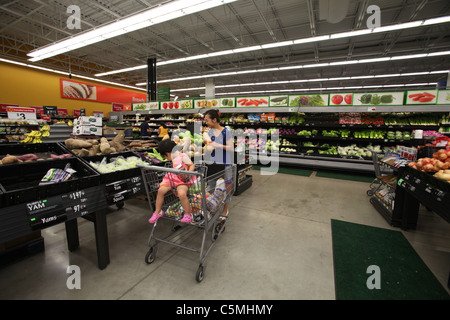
(164, 125)
(213, 114)
(166, 146)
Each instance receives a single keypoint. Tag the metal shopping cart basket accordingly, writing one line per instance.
(207, 196)
(381, 171)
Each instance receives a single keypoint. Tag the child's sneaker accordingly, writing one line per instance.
(156, 216)
(187, 218)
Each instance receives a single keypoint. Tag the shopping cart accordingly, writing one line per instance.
(381, 172)
(207, 196)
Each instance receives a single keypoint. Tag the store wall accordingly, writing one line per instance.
(31, 87)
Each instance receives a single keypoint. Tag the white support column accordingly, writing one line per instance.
(210, 89)
(448, 80)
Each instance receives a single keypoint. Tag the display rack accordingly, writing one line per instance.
(58, 133)
(313, 157)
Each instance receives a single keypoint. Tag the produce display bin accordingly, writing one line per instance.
(42, 150)
(20, 182)
(122, 184)
(116, 175)
(432, 192)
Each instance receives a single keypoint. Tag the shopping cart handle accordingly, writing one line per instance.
(165, 169)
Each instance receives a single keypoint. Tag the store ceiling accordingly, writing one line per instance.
(26, 25)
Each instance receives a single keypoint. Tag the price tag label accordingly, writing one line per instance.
(21, 113)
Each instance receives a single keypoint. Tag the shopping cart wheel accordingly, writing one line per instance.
(120, 205)
(370, 193)
(151, 255)
(200, 273)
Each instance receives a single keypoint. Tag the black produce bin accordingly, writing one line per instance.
(432, 192)
(42, 150)
(110, 177)
(20, 182)
(428, 151)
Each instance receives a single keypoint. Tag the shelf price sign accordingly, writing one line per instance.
(21, 113)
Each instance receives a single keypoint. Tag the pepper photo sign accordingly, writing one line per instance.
(421, 97)
(378, 99)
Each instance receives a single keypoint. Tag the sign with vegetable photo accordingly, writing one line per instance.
(252, 102)
(443, 97)
(341, 99)
(145, 106)
(205, 103)
(278, 101)
(378, 98)
(227, 103)
(309, 100)
(174, 105)
(421, 97)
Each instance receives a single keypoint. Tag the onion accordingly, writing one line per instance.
(442, 156)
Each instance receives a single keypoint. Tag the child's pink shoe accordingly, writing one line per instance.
(156, 216)
(187, 218)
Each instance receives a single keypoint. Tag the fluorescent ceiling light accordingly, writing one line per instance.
(436, 20)
(312, 39)
(277, 44)
(355, 33)
(400, 26)
(350, 34)
(155, 15)
(322, 89)
(318, 80)
(245, 49)
(316, 65)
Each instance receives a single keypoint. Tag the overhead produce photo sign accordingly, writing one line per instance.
(341, 99)
(174, 105)
(279, 101)
(227, 103)
(145, 106)
(206, 103)
(71, 89)
(246, 102)
(309, 100)
(421, 97)
(378, 98)
(443, 97)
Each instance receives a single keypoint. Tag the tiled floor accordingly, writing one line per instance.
(277, 245)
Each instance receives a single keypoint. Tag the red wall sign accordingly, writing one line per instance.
(84, 91)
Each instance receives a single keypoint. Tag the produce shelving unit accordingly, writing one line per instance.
(316, 160)
(58, 133)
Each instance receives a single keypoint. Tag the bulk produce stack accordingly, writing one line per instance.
(87, 126)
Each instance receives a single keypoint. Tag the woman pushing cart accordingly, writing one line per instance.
(197, 204)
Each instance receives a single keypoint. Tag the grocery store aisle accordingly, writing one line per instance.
(277, 245)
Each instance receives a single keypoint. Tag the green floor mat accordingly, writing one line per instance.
(345, 176)
(294, 171)
(402, 275)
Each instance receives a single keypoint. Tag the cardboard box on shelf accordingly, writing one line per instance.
(87, 130)
(90, 121)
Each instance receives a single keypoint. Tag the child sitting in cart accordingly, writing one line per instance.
(181, 182)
